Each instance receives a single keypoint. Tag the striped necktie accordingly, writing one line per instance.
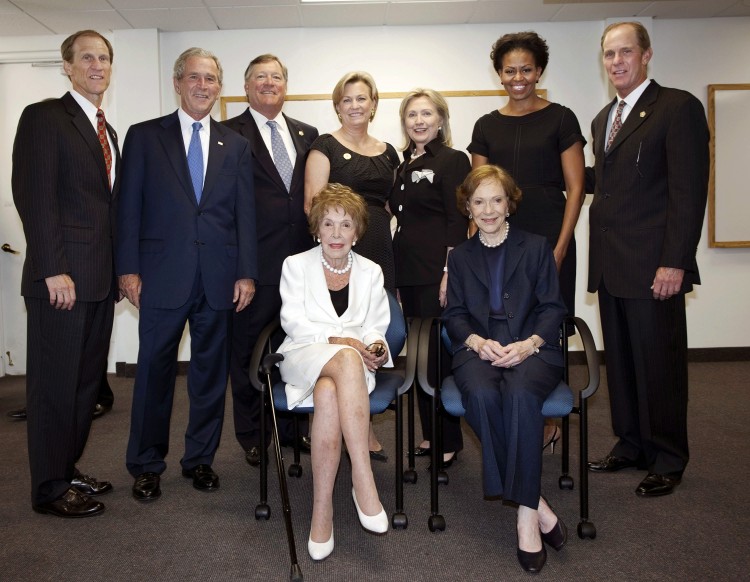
(101, 130)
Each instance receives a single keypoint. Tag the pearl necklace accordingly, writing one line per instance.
(415, 155)
(337, 271)
(497, 244)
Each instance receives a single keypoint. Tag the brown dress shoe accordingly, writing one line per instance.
(73, 503)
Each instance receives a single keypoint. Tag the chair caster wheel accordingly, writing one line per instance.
(295, 574)
(565, 482)
(295, 471)
(442, 478)
(586, 529)
(410, 476)
(262, 511)
(399, 521)
(436, 522)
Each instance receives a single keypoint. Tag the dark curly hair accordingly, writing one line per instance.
(528, 41)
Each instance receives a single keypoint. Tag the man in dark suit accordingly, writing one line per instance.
(65, 162)
(186, 253)
(282, 231)
(652, 161)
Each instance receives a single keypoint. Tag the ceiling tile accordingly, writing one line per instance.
(599, 11)
(687, 9)
(424, 12)
(171, 19)
(344, 15)
(68, 21)
(257, 17)
(513, 11)
(135, 4)
(19, 24)
(738, 9)
(234, 3)
(35, 6)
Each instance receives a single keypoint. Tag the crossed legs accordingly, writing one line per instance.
(342, 409)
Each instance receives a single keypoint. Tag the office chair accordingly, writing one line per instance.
(559, 404)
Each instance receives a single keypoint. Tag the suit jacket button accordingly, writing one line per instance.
(604, 229)
(510, 316)
(506, 295)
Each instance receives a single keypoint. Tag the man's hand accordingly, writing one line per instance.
(130, 287)
(62, 291)
(667, 282)
(244, 291)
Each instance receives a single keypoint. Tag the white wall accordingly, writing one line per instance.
(689, 54)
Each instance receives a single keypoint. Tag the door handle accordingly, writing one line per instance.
(9, 249)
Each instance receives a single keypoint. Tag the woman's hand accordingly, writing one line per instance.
(515, 353)
(443, 294)
(372, 361)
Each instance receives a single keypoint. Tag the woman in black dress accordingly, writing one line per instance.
(429, 226)
(541, 145)
(352, 157)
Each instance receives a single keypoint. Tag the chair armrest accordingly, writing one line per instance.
(261, 348)
(592, 357)
(423, 355)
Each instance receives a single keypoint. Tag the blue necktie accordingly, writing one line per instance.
(195, 161)
(280, 155)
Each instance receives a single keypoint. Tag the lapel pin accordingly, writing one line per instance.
(347, 156)
(222, 143)
(643, 114)
(301, 132)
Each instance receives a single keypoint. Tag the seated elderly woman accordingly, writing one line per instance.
(335, 313)
(503, 319)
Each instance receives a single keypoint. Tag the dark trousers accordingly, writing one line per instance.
(422, 301)
(645, 344)
(246, 327)
(67, 356)
(504, 408)
(106, 397)
(160, 331)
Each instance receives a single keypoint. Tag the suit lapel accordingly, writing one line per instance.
(318, 281)
(216, 153)
(260, 152)
(513, 255)
(174, 146)
(641, 112)
(88, 133)
(475, 261)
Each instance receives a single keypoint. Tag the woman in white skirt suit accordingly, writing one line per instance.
(335, 313)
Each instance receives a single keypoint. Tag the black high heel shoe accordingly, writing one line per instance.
(445, 464)
(557, 537)
(532, 561)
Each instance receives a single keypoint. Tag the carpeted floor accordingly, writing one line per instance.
(699, 533)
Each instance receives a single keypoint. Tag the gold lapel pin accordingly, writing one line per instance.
(347, 156)
(643, 114)
(301, 132)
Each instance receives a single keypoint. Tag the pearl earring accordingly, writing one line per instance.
(470, 216)
(507, 214)
(317, 238)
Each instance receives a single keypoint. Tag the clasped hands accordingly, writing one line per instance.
(369, 354)
(502, 356)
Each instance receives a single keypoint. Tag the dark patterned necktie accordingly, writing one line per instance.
(616, 125)
(101, 130)
(280, 155)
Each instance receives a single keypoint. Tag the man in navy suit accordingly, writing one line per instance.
(652, 161)
(282, 231)
(65, 170)
(186, 253)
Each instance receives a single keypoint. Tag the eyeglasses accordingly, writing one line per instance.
(377, 349)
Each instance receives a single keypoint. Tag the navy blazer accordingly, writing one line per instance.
(165, 235)
(531, 295)
(61, 190)
(282, 224)
(650, 193)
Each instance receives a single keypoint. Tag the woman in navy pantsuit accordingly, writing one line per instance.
(503, 319)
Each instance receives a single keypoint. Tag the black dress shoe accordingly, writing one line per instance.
(610, 463)
(532, 561)
(101, 410)
(446, 464)
(73, 503)
(19, 414)
(88, 485)
(146, 487)
(422, 451)
(252, 456)
(204, 478)
(305, 444)
(655, 485)
(557, 537)
(378, 456)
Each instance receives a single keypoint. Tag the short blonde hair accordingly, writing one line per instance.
(338, 196)
(441, 106)
(488, 173)
(355, 77)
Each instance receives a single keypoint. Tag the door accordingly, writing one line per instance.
(20, 84)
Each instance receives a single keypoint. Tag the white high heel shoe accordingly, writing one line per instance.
(374, 523)
(320, 550)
